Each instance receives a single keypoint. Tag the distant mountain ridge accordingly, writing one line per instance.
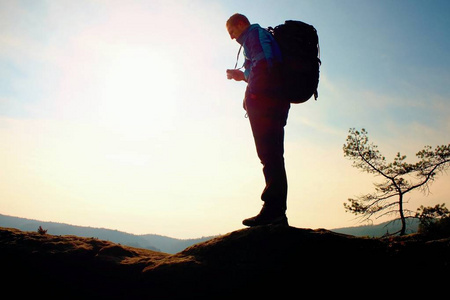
(379, 230)
(147, 241)
(163, 243)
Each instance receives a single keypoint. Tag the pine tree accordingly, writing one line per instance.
(398, 177)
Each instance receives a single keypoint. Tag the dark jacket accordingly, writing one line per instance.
(262, 62)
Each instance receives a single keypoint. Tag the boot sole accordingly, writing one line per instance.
(277, 221)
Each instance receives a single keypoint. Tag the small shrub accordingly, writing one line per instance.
(42, 230)
(434, 221)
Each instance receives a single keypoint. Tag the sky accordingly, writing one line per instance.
(118, 114)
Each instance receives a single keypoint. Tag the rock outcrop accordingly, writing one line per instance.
(260, 261)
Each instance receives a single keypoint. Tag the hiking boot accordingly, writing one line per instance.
(267, 217)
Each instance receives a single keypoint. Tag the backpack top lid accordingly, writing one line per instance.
(297, 38)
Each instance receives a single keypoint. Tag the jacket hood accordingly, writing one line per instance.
(241, 39)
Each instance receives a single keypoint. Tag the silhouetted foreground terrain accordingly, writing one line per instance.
(260, 261)
(167, 244)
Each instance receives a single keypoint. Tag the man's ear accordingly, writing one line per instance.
(241, 25)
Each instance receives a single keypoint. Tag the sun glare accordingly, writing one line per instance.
(138, 92)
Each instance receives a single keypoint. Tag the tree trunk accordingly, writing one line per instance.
(402, 216)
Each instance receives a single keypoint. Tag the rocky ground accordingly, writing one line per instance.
(260, 261)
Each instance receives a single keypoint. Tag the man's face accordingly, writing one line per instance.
(236, 31)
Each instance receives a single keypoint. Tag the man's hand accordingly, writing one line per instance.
(235, 74)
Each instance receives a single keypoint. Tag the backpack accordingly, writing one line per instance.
(299, 45)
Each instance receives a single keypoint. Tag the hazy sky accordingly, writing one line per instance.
(118, 114)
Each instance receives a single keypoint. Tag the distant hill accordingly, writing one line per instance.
(379, 230)
(147, 241)
(163, 243)
(263, 262)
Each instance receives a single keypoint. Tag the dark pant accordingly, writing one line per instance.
(268, 117)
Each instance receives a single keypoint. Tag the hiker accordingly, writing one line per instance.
(266, 110)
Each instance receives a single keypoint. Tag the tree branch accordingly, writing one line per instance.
(428, 176)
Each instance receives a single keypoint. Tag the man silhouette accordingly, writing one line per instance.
(267, 111)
